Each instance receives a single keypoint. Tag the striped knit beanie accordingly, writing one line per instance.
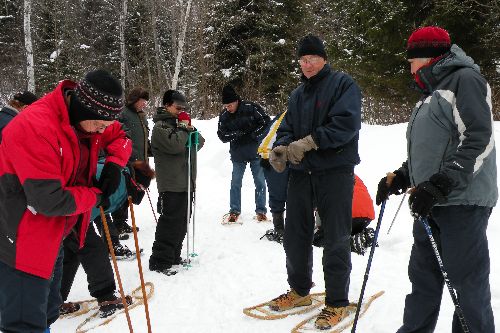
(99, 96)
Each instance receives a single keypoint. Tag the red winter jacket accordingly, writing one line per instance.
(39, 157)
(362, 203)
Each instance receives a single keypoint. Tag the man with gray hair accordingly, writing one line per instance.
(451, 168)
(319, 139)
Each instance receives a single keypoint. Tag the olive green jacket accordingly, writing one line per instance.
(168, 144)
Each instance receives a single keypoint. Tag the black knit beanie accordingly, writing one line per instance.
(97, 96)
(311, 45)
(229, 95)
(25, 97)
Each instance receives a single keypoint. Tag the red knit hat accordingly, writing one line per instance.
(428, 42)
(184, 116)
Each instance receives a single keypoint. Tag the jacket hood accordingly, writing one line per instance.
(455, 60)
(429, 76)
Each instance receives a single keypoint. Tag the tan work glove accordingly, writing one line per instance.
(297, 149)
(278, 158)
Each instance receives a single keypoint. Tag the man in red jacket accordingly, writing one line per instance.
(48, 159)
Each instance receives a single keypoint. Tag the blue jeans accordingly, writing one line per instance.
(277, 184)
(236, 182)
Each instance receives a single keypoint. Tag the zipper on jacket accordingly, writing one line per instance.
(145, 139)
(409, 144)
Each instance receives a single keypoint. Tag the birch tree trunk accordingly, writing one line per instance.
(180, 46)
(30, 64)
(123, 55)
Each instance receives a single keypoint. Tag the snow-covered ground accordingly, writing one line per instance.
(235, 269)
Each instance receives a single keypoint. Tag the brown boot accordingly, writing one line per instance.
(331, 316)
(289, 301)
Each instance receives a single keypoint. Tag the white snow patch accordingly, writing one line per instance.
(235, 269)
(226, 72)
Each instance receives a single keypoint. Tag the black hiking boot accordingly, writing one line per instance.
(68, 308)
(161, 268)
(274, 235)
(109, 305)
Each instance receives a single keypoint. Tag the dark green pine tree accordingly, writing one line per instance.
(254, 47)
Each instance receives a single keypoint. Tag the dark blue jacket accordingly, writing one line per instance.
(243, 129)
(7, 113)
(328, 107)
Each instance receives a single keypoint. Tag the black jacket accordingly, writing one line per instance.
(7, 113)
(328, 107)
(243, 130)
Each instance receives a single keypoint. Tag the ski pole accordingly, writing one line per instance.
(194, 254)
(196, 143)
(151, 204)
(397, 212)
(115, 265)
(454, 297)
(139, 264)
(189, 145)
(368, 266)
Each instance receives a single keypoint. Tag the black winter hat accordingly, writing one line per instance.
(25, 97)
(98, 96)
(170, 96)
(311, 45)
(229, 95)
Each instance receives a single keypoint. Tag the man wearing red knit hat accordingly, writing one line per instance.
(451, 170)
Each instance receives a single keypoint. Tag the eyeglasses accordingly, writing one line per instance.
(312, 60)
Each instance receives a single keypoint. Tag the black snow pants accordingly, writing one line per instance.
(170, 230)
(331, 191)
(95, 261)
(460, 232)
(29, 304)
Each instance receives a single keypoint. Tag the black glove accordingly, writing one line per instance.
(110, 178)
(264, 163)
(102, 201)
(398, 185)
(429, 193)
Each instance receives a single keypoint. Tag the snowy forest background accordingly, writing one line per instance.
(197, 46)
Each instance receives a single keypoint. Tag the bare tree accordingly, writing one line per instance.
(30, 64)
(123, 47)
(180, 46)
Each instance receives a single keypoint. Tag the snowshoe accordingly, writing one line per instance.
(69, 308)
(125, 228)
(104, 316)
(107, 308)
(261, 217)
(274, 235)
(362, 241)
(331, 316)
(231, 219)
(265, 310)
(122, 252)
(334, 320)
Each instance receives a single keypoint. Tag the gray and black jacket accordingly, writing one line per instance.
(168, 143)
(451, 131)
